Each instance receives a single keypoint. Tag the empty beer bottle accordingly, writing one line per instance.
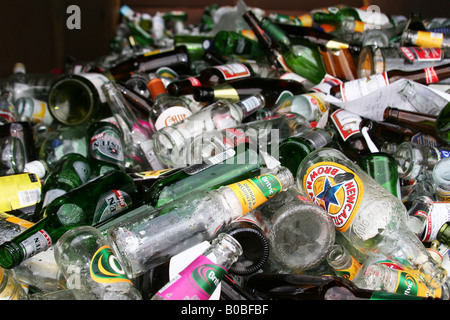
(176, 58)
(214, 263)
(89, 204)
(210, 77)
(443, 124)
(189, 220)
(343, 263)
(234, 43)
(425, 39)
(417, 121)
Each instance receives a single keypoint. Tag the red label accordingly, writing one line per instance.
(194, 82)
(431, 75)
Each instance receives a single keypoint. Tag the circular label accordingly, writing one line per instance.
(335, 188)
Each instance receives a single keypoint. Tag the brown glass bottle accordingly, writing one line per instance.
(349, 90)
(414, 120)
(271, 88)
(211, 77)
(177, 59)
(381, 131)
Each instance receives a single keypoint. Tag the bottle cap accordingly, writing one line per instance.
(37, 167)
(156, 87)
(19, 67)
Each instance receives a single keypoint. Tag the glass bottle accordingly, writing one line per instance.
(273, 90)
(417, 121)
(300, 233)
(425, 39)
(293, 150)
(352, 199)
(441, 179)
(91, 268)
(71, 171)
(442, 124)
(416, 161)
(33, 110)
(78, 98)
(310, 105)
(375, 60)
(268, 286)
(149, 238)
(254, 243)
(343, 263)
(12, 156)
(214, 263)
(171, 142)
(422, 221)
(91, 203)
(8, 110)
(23, 131)
(105, 148)
(167, 109)
(176, 58)
(134, 135)
(210, 77)
(354, 89)
(302, 57)
(234, 43)
(10, 287)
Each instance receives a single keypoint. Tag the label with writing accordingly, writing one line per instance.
(429, 39)
(171, 116)
(233, 71)
(38, 242)
(355, 89)
(106, 145)
(346, 122)
(106, 268)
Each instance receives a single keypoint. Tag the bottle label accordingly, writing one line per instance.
(431, 75)
(171, 116)
(194, 82)
(144, 175)
(38, 242)
(107, 146)
(7, 115)
(19, 191)
(20, 222)
(408, 284)
(355, 89)
(51, 195)
(346, 123)
(373, 17)
(255, 191)
(196, 282)
(105, 267)
(233, 71)
(97, 79)
(110, 204)
(350, 272)
(326, 84)
(318, 104)
(435, 219)
(335, 188)
(422, 54)
(429, 39)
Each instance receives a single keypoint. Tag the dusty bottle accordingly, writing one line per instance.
(214, 263)
(90, 267)
(171, 142)
(207, 212)
(352, 199)
(89, 204)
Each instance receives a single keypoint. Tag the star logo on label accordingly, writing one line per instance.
(328, 195)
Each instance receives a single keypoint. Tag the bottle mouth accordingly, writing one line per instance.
(7, 255)
(170, 146)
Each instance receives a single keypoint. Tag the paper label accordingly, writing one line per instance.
(106, 268)
(196, 282)
(354, 89)
(233, 71)
(439, 215)
(431, 75)
(429, 39)
(346, 122)
(107, 146)
(171, 116)
(110, 204)
(36, 243)
(335, 188)
(19, 191)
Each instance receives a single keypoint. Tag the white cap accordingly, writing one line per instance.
(37, 167)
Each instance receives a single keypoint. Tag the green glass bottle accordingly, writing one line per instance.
(292, 151)
(301, 56)
(231, 43)
(443, 124)
(96, 200)
(236, 164)
(105, 148)
(71, 171)
(335, 15)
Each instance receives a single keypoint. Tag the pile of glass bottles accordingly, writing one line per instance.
(251, 156)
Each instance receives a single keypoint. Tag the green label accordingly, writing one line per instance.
(107, 146)
(105, 268)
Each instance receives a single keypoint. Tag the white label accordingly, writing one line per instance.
(97, 80)
(373, 17)
(437, 217)
(171, 116)
(233, 71)
(38, 242)
(346, 122)
(52, 194)
(355, 89)
(29, 197)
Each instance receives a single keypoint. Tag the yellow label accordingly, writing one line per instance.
(306, 20)
(152, 174)
(335, 188)
(19, 191)
(255, 191)
(23, 223)
(429, 39)
(350, 272)
(226, 92)
(359, 26)
(153, 52)
(105, 268)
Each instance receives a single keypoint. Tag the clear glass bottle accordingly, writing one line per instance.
(193, 284)
(441, 179)
(151, 237)
(171, 142)
(343, 263)
(352, 199)
(310, 105)
(12, 156)
(91, 268)
(10, 287)
(300, 233)
(425, 39)
(8, 110)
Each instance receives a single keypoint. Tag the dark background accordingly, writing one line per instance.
(34, 31)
